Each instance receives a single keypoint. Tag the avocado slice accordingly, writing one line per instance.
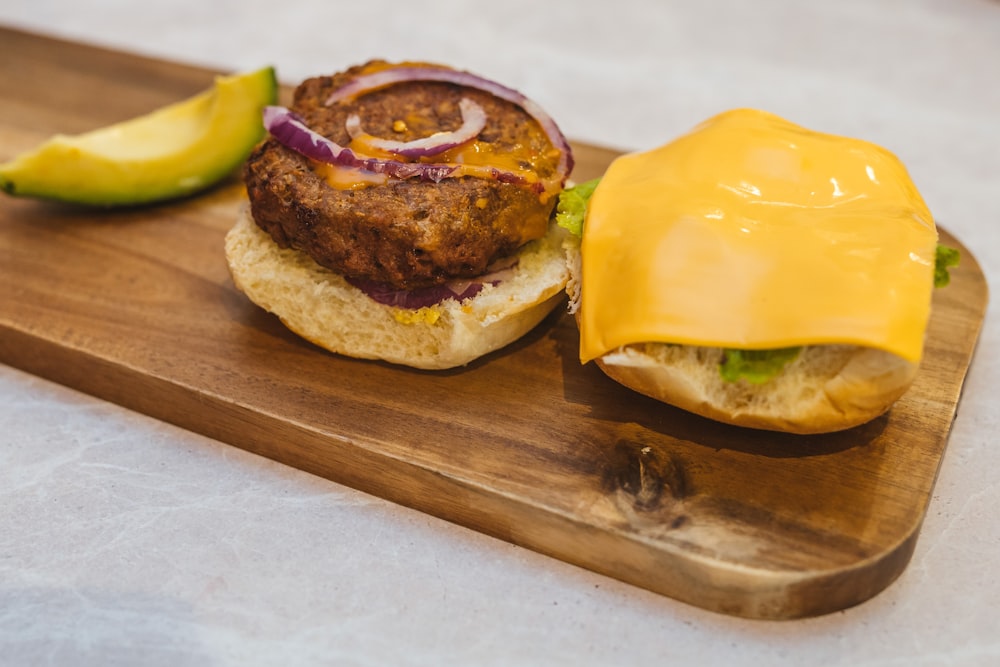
(172, 152)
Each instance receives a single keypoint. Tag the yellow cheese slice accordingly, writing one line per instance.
(751, 232)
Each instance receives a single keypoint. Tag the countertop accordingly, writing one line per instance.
(127, 541)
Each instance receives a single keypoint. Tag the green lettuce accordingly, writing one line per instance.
(944, 259)
(755, 366)
(572, 206)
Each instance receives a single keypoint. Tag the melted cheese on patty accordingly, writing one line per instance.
(751, 232)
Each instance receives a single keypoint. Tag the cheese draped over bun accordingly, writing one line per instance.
(753, 236)
(751, 232)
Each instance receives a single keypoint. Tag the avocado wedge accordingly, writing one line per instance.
(173, 152)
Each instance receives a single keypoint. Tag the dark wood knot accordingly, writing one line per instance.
(648, 479)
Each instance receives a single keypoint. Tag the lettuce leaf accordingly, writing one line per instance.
(755, 366)
(572, 206)
(944, 258)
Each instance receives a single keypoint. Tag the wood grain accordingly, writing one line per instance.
(137, 307)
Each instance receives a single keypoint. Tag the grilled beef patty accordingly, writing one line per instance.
(402, 233)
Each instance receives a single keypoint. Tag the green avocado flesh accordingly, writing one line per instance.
(172, 152)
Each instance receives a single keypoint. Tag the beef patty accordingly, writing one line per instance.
(403, 233)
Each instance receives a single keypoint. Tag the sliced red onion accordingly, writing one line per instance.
(473, 122)
(290, 129)
(424, 297)
(385, 77)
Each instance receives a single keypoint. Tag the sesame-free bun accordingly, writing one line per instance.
(825, 388)
(322, 307)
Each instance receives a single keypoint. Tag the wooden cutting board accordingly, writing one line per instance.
(137, 307)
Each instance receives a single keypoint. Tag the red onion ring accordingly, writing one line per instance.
(369, 82)
(473, 122)
(423, 297)
(291, 130)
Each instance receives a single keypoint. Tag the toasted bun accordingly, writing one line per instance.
(322, 307)
(826, 388)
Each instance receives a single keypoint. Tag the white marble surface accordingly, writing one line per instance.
(124, 541)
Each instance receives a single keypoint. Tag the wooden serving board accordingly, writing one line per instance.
(137, 307)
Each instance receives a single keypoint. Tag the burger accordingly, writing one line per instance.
(756, 273)
(403, 212)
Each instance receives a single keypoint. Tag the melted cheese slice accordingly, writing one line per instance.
(751, 232)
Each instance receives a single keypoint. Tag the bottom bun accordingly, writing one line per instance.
(825, 388)
(322, 307)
